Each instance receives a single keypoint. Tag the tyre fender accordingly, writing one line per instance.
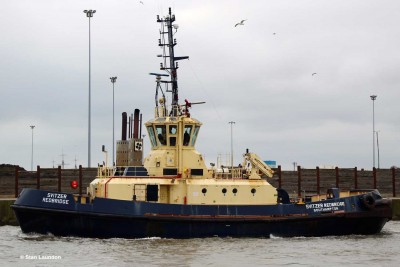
(368, 201)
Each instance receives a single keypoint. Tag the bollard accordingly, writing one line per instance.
(299, 181)
(80, 180)
(355, 178)
(16, 180)
(337, 176)
(37, 177)
(59, 178)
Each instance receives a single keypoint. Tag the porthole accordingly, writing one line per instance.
(224, 191)
(234, 191)
(204, 191)
(253, 191)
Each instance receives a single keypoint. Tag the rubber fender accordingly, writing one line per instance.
(383, 201)
(368, 201)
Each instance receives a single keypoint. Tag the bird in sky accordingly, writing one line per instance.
(313, 74)
(240, 23)
(141, 2)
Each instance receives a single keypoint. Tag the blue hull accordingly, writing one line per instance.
(48, 212)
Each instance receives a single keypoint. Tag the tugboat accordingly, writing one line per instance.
(173, 194)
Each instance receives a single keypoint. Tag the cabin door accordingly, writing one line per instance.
(139, 192)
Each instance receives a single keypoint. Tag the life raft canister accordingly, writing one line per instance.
(368, 201)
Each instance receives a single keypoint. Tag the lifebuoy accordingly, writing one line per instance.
(368, 201)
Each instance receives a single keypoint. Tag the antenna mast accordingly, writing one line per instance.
(173, 65)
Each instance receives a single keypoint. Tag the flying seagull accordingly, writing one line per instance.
(240, 23)
(313, 74)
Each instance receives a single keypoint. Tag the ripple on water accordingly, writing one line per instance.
(298, 251)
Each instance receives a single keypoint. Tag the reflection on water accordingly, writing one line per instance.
(19, 249)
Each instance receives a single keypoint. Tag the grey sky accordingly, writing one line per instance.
(258, 75)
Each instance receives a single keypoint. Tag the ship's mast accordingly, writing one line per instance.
(173, 65)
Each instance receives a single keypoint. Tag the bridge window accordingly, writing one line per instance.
(152, 136)
(194, 137)
(172, 129)
(172, 132)
(161, 134)
(186, 134)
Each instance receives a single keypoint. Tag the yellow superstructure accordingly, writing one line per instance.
(179, 175)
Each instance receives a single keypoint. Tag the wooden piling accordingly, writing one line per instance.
(80, 179)
(337, 176)
(16, 180)
(299, 181)
(37, 177)
(59, 178)
(355, 178)
(279, 176)
(394, 181)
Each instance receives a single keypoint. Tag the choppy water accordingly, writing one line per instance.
(19, 249)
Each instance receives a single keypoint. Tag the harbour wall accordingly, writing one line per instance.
(297, 183)
(14, 179)
(316, 181)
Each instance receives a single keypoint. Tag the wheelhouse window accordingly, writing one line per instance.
(172, 135)
(161, 134)
(194, 136)
(186, 134)
(152, 136)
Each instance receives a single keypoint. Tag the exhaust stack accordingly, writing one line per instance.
(136, 124)
(124, 124)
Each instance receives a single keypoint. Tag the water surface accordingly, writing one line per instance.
(19, 249)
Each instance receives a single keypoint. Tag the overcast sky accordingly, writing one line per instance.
(258, 75)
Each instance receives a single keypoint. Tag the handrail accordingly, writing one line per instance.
(232, 173)
(104, 172)
(120, 171)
